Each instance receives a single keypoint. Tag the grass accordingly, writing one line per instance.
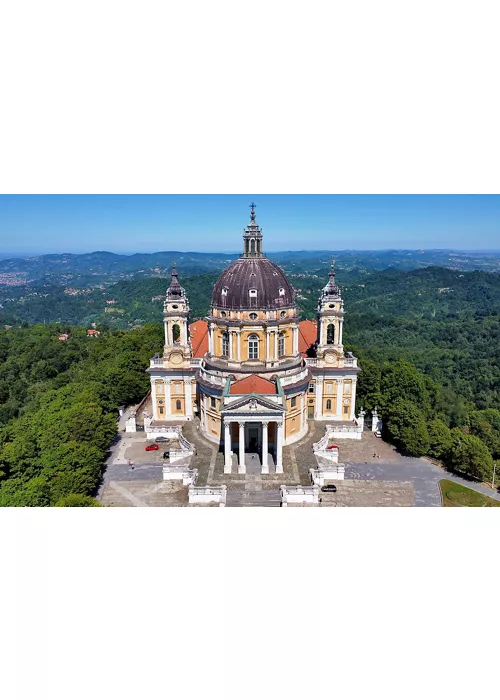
(456, 495)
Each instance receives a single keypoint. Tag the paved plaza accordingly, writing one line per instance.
(376, 474)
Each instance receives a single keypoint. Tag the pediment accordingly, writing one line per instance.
(253, 403)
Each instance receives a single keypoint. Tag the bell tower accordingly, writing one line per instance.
(177, 350)
(330, 321)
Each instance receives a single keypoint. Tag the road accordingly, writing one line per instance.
(424, 475)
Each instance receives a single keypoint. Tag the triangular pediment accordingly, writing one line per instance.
(252, 402)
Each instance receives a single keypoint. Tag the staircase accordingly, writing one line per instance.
(253, 499)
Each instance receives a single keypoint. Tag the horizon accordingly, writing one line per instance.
(131, 224)
(28, 256)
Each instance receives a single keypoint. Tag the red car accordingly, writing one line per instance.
(149, 448)
(332, 447)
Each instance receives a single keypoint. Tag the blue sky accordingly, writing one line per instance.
(33, 224)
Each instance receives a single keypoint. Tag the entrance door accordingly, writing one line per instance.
(310, 412)
(253, 437)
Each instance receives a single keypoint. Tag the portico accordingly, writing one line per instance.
(259, 434)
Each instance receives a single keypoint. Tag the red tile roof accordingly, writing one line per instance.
(308, 331)
(199, 338)
(253, 385)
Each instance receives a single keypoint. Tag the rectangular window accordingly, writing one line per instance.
(160, 389)
(253, 349)
(161, 410)
(293, 402)
(178, 388)
(346, 409)
(347, 388)
(311, 388)
(329, 388)
(213, 402)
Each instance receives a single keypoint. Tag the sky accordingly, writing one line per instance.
(36, 224)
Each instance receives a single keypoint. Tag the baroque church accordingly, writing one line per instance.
(252, 371)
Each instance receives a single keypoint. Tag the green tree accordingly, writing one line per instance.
(469, 456)
(439, 438)
(75, 500)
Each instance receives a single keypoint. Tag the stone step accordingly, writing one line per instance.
(253, 499)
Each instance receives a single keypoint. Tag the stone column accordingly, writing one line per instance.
(279, 448)
(268, 344)
(265, 448)
(353, 399)
(295, 340)
(241, 466)
(153, 399)
(205, 407)
(211, 339)
(228, 453)
(319, 397)
(168, 401)
(238, 339)
(339, 398)
(276, 334)
(188, 397)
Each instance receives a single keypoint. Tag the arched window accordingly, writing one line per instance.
(253, 347)
(281, 344)
(330, 334)
(178, 405)
(329, 405)
(176, 332)
(225, 344)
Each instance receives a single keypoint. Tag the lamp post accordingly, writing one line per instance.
(493, 480)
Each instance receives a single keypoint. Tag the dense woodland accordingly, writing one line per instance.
(428, 343)
(59, 408)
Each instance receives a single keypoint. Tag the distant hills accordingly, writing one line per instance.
(103, 267)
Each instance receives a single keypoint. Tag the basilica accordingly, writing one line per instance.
(252, 371)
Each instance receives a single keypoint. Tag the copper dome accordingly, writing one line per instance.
(253, 283)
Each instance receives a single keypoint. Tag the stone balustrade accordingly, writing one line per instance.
(335, 472)
(208, 494)
(299, 494)
(188, 476)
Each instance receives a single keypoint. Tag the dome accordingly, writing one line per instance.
(253, 283)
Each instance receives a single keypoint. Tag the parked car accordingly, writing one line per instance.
(149, 448)
(329, 488)
(166, 455)
(161, 438)
(332, 447)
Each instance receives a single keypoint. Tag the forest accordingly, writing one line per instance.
(427, 341)
(60, 403)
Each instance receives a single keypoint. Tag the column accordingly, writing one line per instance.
(205, 408)
(168, 401)
(339, 399)
(228, 453)
(265, 448)
(230, 349)
(268, 344)
(341, 325)
(295, 340)
(279, 448)
(276, 333)
(352, 415)
(238, 338)
(166, 334)
(211, 339)
(319, 397)
(188, 397)
(241, 466)
(153, 399)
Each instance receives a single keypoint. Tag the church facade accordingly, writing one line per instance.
(252, 371)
